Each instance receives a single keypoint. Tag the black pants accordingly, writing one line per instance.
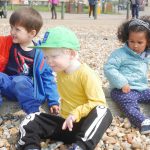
(135, 10)
(86, 133)
(92, 10)
(53, 11)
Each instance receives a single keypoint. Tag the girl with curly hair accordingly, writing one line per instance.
(127, 71)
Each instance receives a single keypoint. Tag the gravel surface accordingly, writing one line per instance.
(98, 39)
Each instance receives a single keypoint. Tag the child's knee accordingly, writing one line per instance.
(21, 83)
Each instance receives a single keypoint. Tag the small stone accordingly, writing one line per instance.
(136, 145)
(117, 146)
(3, 143)
(130, 138)
(148, 147)
(13, 131)
(44, 145)
(126, 146)
(1, 130)
(110, 140)
(120, 134)
(127, 125)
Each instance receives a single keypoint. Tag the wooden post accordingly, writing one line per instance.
(128, 9)
(95, 11)
(11, 6)
(103, 6)
(30, 3)
(62, 10)
(5, 9)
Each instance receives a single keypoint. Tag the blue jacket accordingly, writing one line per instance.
(92, 2)
(44, 82)
(124, 66)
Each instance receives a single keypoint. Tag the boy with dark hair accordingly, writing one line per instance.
(84, 116)
(27, 77)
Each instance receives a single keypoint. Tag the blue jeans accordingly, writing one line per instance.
(135, 10)
(20, 88)
(129, 104)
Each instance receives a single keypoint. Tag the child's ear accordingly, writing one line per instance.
(33, 33)
(148, 43)
(73, 54)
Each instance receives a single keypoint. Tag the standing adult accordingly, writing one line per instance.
(53, 8)
(135, 8)
(92, 4)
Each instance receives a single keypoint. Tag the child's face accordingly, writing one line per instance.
(58, 59)
(137, 41)
(21, 35)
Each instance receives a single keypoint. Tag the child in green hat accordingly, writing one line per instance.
(84, 116)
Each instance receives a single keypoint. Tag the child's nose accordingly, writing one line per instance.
(135, 45)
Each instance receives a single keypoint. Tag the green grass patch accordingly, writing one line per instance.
(46, 8)
(38, 7)
(43, 8)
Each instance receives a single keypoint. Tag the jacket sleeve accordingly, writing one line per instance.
(50, 86)
(112, 73)
(5, 45)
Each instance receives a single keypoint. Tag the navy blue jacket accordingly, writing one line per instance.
(92, 2)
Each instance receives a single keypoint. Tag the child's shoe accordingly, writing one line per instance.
(55, 145)
(29, 147)
(145, 126)
(32, 149)
(75, 147)
(19, 147)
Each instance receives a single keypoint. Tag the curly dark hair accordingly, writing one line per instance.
(124, 29)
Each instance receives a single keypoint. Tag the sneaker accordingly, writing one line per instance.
(55, 145)
(75, 147)
(31, 147)
(145, 126)
(18, 147)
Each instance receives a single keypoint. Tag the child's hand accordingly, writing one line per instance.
(54, 109)
(126, 88)
(68, 123)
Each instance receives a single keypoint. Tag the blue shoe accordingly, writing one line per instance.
(75, 147)
(145, 126)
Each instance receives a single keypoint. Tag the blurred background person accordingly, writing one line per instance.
(92, 4)
(53, 8)
(135, 8)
